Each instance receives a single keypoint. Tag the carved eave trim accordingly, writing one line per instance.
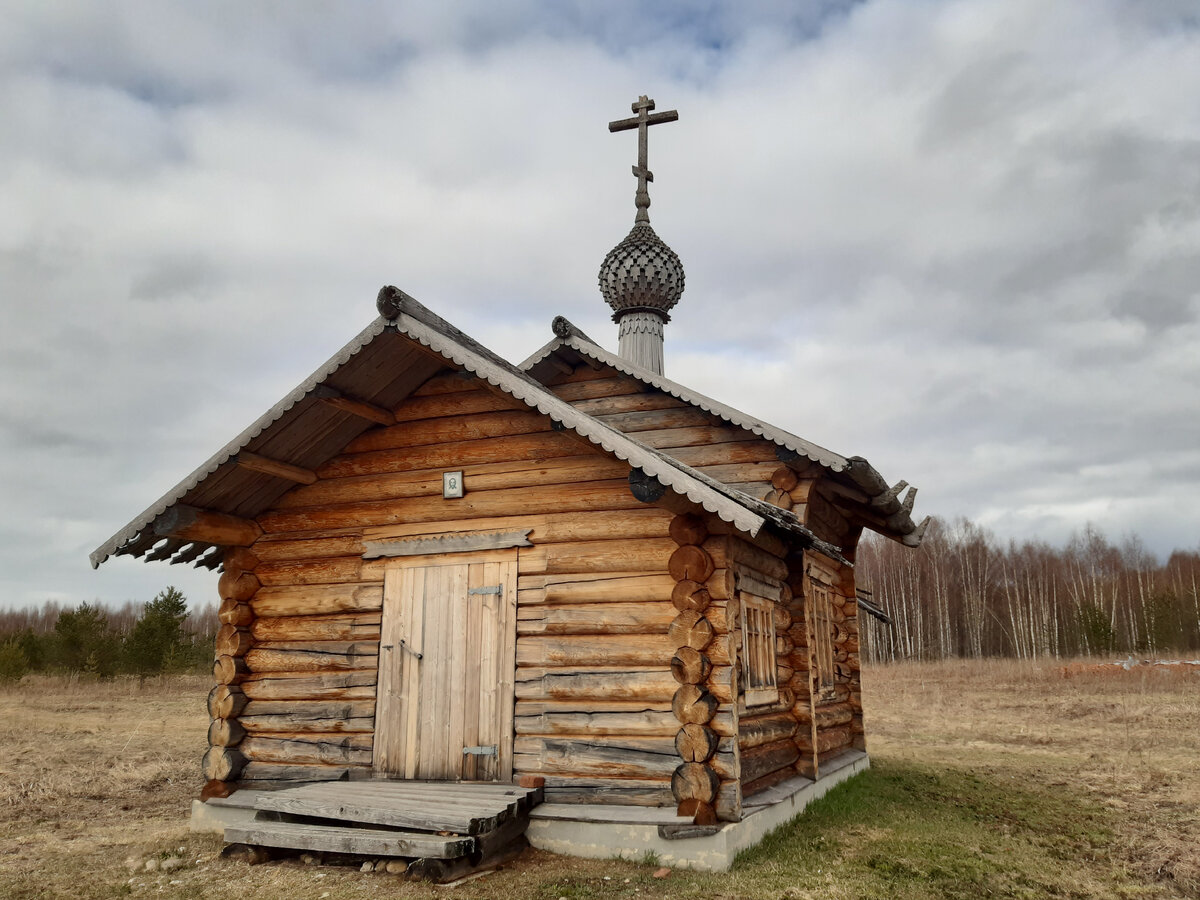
(459, 542)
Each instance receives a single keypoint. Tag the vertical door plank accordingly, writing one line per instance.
(415, 635)
(488, 688)
(507, 668)
(456, 609)
(472, 734)
(386, 691)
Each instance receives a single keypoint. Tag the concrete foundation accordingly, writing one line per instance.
(633, 832)
(628, 832)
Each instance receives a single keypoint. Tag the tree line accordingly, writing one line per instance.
(94, 639)
(963, 593)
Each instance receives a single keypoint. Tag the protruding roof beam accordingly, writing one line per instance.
(190, 523)
(247, 460)
(355, 407)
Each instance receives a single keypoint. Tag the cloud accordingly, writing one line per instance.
(959, 238)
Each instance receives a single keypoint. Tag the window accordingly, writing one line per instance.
(758, 650)
(821, 616)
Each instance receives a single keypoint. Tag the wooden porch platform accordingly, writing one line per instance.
(444, 829)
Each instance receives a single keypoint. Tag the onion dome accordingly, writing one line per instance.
(641, 274)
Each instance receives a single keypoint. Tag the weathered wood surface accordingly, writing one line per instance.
(233, 641)
(267, 466)
(340, 839)
(761, 760)
(321, 599)
(230, 670)
(692, 705)
(643, 792)
(581, 683)
(323, 656)
(308, 716)
(531, 447)
(596, 618)
(575, 497)
(597, 650)
(225, 733)
(653, 722)
(222, 764)
(694, 781)
(237, 585)
(690, 666)
(308, 749)
(352, 627)
(231, 612)
(226, 701)
(271, 774)
(427, 482)
(754, 732)
(696, 743)
(190, 523)
(354, 685)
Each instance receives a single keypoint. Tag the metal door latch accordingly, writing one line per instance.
(488, 589)
(480, 751)
(403, 646)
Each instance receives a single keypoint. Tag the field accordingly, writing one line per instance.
(992, 779)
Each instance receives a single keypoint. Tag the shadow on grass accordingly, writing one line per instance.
(906, 830)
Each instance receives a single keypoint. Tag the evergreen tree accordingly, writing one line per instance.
(157, 641)
(84, 642)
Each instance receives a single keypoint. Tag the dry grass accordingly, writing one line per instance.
(990, 779)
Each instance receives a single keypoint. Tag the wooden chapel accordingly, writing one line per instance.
(440, 566)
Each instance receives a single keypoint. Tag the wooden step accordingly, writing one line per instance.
(418, 813)
(341, 839)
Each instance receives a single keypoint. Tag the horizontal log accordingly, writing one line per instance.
(599, 723)
(696, 743)
(653, 792)
(689, 666)
(302, 710)
(827, 716)
(688, 529)
(603, 705)
(598, 650)
(427, 432)
(766, 758)
(289, 548)
(317, 599)
(750, 788)
(309, 749)
(206, 526)
(645, 555)
(264, 659)
(428, 482)
(225, 733)
(690, 629)
(226, 701)
(827, 739)
(694, 781)
(231, 612)
(344, 627)
(639, 588)
(598, 495)
(693, 705)
(607, 386)
(616, 757)
(261, 773)
(594, 684)
(239, 559)
(766, 729)
(222, 764)
(230, 670)
(458, 403)
(233, 641)
(539, 446)
(338, 570)
(237, 585)
(355, 685)
(639, 421)
(691, 563)
(595, 618)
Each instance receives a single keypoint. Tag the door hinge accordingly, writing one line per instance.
(488, 589)
(480, 751)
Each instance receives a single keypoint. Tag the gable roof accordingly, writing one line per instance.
(372, 374)
(882, 508)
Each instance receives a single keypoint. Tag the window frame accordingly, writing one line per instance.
(759, 665)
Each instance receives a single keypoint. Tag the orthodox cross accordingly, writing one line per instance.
(642, 121)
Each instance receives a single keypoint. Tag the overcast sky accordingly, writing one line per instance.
(961, 239)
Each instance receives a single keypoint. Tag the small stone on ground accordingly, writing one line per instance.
(662, 873)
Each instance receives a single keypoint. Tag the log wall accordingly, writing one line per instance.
(295, 695)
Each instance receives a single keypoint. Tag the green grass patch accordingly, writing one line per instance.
(903, 830)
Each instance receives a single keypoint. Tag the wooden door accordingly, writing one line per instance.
(444, 701)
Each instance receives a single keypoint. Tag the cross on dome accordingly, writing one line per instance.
(642, 121)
